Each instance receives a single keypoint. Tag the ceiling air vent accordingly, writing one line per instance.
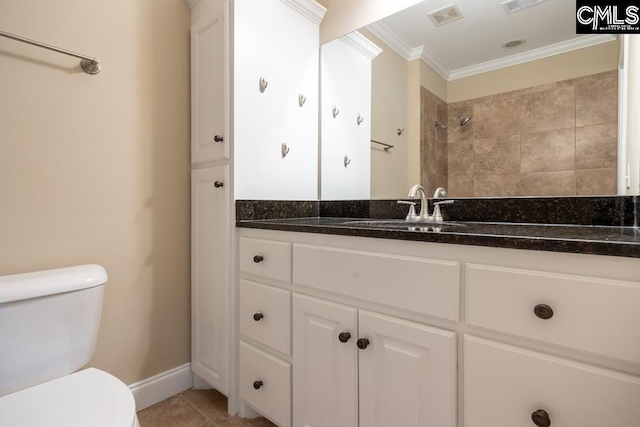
(445, 15)
(513, 6)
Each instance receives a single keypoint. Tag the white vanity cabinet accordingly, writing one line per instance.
(458, 336)
(350, 365)
(354, 367)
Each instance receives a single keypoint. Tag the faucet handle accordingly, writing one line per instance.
(411, 216)
(437, 215)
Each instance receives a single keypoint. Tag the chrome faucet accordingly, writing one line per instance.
(440, 193)
(424, 208)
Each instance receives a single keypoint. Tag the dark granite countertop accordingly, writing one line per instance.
(585, 239)
(599, 225)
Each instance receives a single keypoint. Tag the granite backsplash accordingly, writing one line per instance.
(606, 210)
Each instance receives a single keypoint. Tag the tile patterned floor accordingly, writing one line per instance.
(195, 408)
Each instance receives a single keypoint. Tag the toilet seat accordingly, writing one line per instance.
(87, 398)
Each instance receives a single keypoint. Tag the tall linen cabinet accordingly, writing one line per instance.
(211, 195)
(254, 135)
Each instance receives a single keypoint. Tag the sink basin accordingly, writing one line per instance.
(401, 224)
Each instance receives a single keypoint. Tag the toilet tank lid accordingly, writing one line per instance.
(16, 287)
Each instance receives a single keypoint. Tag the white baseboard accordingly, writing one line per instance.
(162, 386)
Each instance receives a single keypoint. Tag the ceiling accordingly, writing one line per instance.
(473, 44)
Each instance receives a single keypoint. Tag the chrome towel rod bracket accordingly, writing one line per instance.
(88, 64)
(386, 147)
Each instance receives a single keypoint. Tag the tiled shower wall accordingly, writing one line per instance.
(558, 139)
(433, 151)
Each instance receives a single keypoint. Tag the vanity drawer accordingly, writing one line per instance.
(592, 314)
(420, 285)
(266, 258)
(505, 385)
(265, 315)
(265, 384)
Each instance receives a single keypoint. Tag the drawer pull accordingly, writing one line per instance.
(259, 383)
(344, 336)
(218, 184)
(543, 311)
(258, 316)
(218, 138)
(258, 258)
(362, 343)
(541, 418)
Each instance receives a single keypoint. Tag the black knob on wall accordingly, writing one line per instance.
(218, 138)
(344, 336)
(258, 258)
(218, 184)
(362, 343)
(543, 311)
(541, 418)
(258, 384)
(258, 316)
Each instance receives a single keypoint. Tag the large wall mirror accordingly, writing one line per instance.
(485, 100)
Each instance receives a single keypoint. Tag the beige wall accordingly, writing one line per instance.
(578, 63)
(433, 81)
(95, 169)
(389, 104)
(344, 16)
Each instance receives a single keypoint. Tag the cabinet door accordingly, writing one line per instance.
(210, 248)
(509, 386)
(208, 83)
(325, 386)
(407, 374)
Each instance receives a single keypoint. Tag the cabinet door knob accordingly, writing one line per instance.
(258, 316)
(344, 336)
(541, 418)
(218, 138)
(543, 311)
(218, 184)
(258, 258)
(362, 343)
(257, 384)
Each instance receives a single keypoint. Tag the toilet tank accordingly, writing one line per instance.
(48, 324)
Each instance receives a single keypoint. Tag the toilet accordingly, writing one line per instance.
(48, 328)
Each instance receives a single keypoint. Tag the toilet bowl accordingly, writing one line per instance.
(48, 328)
(86, 398)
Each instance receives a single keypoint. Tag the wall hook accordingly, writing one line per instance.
(335, 111)
(284, 150)
(359, 119)
(301, 99)
(263, 84)
(400, 131)
(347, 160)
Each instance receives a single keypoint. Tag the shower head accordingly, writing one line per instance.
(463, 121)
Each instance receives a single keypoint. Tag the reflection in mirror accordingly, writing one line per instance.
(542, 104)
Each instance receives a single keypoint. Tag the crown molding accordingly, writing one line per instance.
(192, 3)
(401, 48)
(410, 54)
(532, 55)
(390, 38)
(362, 44)
(308, 8)
(434, 62)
